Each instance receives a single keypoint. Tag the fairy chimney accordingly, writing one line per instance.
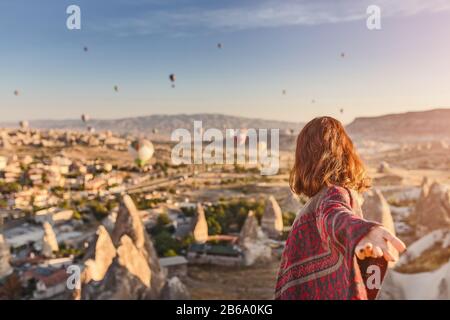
(49, 242)
(200, 231)
(249, 231)
(100, 256)
(291, 203)
(5, 256)
(125, 265)
(376, 208)
(425, 187)
(129, 223)
(432, 210)
(272, 220)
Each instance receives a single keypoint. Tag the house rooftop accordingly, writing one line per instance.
(172, 261)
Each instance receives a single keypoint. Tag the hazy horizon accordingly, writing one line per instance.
(16, 121)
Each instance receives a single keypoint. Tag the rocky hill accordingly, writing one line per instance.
(423, 125)
(409, 126)
(164, 124)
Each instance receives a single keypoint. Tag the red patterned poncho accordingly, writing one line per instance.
(318, 262)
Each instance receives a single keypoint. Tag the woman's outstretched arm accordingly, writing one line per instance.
(350, 233)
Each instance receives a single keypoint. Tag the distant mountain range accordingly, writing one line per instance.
(420, 125)
(433, 124)
(164, 124)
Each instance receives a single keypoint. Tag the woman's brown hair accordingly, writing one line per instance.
(326, 156)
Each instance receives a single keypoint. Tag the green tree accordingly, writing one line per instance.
(163, 219)
(165, 242)
(214, 226)
(170, 253)
(99, 210)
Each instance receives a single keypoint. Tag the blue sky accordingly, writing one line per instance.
(268, 46)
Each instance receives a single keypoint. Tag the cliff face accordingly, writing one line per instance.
(425, 125)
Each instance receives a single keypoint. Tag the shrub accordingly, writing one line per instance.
(170, 253)
(165, 242)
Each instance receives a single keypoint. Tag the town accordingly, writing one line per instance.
(64, 192)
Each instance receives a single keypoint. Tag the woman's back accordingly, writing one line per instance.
(318, 261)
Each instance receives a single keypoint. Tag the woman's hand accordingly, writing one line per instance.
(379, 242)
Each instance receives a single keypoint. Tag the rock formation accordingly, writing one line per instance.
(175, 290)
(49, 242)
(125, 265)
(132, 259)
(291, 203)
(249, 231)
(432, 210)
(272, 220)
(200, 230)
(100, 256)
(432, 285)
(376, 208)
(110, 221)
(384, 167)
(425, 187)
(5, 140)
(253, 242)
(416, 249)
(128, 222)
(5, 267)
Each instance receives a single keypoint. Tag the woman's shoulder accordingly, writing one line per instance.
(338, 194)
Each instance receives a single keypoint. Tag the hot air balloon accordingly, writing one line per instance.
(342, 54)
(284, 92)
(142, 151)
(172, 79)
(313, 101)
(116, 88)
(85, 49)
(219, 45)
(85, 117)
(16, 92)
(342, 110)
(24, 124)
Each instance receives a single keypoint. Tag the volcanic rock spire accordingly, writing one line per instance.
(272, 220)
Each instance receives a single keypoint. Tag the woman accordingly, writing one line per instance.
(331, 251)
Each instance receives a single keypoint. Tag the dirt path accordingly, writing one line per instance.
(245, 283)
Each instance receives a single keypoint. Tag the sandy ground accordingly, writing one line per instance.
(244, 283)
